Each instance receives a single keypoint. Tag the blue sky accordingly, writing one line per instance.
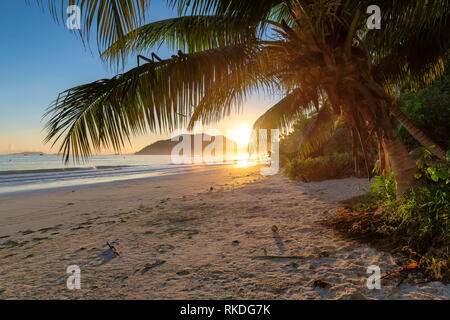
(40, 58)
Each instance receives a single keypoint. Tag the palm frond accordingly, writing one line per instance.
(282, 12)
(155, 96)
(111, 19)
(188, 33)
(283, 113)
(412, 44)
(246, 10)
(320, 131)
(257, 75)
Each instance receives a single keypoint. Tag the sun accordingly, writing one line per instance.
(241, 134)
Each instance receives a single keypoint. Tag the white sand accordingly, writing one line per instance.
(178, 240)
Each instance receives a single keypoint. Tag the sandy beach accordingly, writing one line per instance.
(198, 235)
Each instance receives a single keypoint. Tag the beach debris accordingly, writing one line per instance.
(182, 273)
(211, 189)
(274, 228)
(163, 248)
(73, 190)
(404, 272)
(27, 232)
(320, 283)
(325, 212)
(116, 253)
(265, 251)
(412, 266)
(235, 243)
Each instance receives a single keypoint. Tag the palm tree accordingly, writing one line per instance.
(313, 51)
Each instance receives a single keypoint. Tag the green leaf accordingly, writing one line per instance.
(435, 178)
(441, 173)
(418, 176)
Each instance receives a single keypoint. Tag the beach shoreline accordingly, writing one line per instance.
(198, 235)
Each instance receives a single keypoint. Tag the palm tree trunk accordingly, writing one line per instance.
(355, 152)
(387, 164)
(402, 164)
(418, 134)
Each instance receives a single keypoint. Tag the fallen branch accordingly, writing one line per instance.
(114, 250)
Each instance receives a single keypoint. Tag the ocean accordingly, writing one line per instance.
(20, 173)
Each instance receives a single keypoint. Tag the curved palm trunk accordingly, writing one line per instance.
(402, 164)
(418, 134)
(386, 162)
(355, 152)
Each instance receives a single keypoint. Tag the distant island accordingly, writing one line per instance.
(165, 147)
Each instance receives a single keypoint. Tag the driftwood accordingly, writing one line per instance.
(113, 249)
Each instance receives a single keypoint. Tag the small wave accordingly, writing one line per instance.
(55, 170)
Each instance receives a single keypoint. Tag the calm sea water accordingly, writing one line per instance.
(33, 172)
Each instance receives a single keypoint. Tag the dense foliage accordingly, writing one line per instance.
(334, 166)
(419, 219)
(429, 109)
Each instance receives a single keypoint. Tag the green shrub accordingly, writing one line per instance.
(420, 219)
(422, 216)
(423, 213)
(431, 170)
(382, 192)
(335, 166)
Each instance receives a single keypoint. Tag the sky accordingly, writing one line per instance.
(40, 58)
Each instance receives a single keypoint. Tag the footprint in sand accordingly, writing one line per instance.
(10, 243)
(150, 266)
(165, 248)
(40, 239)
(44, 230)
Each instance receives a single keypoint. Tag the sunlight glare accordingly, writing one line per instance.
(241, 135)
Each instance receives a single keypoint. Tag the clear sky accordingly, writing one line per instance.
(40, 58)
